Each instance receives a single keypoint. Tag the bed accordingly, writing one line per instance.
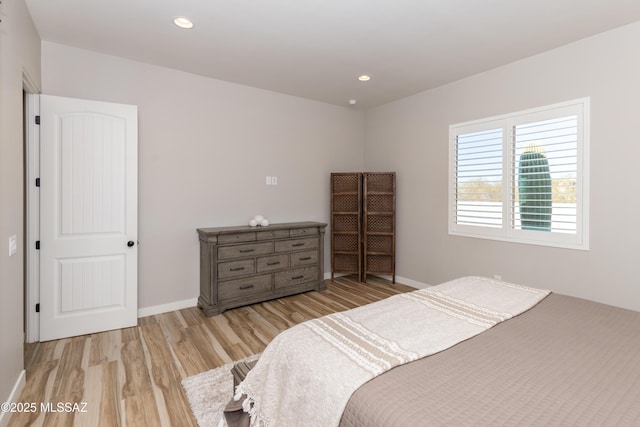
(565, 361)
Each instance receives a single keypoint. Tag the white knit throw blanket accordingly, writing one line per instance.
(307, 374)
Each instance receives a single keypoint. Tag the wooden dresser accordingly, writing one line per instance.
(245, 265)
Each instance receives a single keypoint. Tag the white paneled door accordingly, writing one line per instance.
(88, 216)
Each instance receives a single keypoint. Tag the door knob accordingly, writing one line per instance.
(130, 243)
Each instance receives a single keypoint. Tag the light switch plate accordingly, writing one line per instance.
(13, 245)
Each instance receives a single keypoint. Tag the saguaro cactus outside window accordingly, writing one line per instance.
(534, 190)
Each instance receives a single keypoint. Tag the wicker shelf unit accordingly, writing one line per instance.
(363, 223)
(379, 224)
(346, 221)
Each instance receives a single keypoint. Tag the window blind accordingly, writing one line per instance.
(479, 178)
(545, 175)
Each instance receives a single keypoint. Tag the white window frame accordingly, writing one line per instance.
(507, 122)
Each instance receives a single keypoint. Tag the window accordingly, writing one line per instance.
(522, 177)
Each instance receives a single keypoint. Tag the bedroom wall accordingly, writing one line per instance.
(410, 136)
(205, 147)
(19, 52)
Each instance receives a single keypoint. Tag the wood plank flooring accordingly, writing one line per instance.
(132, 377)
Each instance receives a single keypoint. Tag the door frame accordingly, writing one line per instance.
(32, 214)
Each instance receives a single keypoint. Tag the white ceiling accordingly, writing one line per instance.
(317, 48)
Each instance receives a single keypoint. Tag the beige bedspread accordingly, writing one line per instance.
(566, 362)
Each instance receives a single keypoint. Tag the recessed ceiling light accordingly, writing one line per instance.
(364, 78)
(183, 22)
(353, 101)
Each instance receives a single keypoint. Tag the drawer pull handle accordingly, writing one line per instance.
(244, 251)
(297, 277)
(246, 287)
(236, 269)
(297, 244)
(273, 263)
(307, 258)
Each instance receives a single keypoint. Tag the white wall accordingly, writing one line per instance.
(19, 52)
(205, 147)
(410, 136)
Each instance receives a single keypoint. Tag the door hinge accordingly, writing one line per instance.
(38, 308)
(37, 120)
(37, 244)
(37, 182)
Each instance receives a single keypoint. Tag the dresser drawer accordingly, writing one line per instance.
(236, 268)
(236, 237)
(295, 277)
(297, 232)
(239, 287)
(270, 263)
(297, 244)
(273, 234)
(238, 251)
(300, 259)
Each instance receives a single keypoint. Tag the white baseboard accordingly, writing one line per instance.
(163, 308)
(412, 283)
(13, 398)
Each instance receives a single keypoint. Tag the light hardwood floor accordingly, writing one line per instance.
(133, 376)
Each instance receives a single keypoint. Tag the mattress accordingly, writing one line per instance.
(567, 361)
